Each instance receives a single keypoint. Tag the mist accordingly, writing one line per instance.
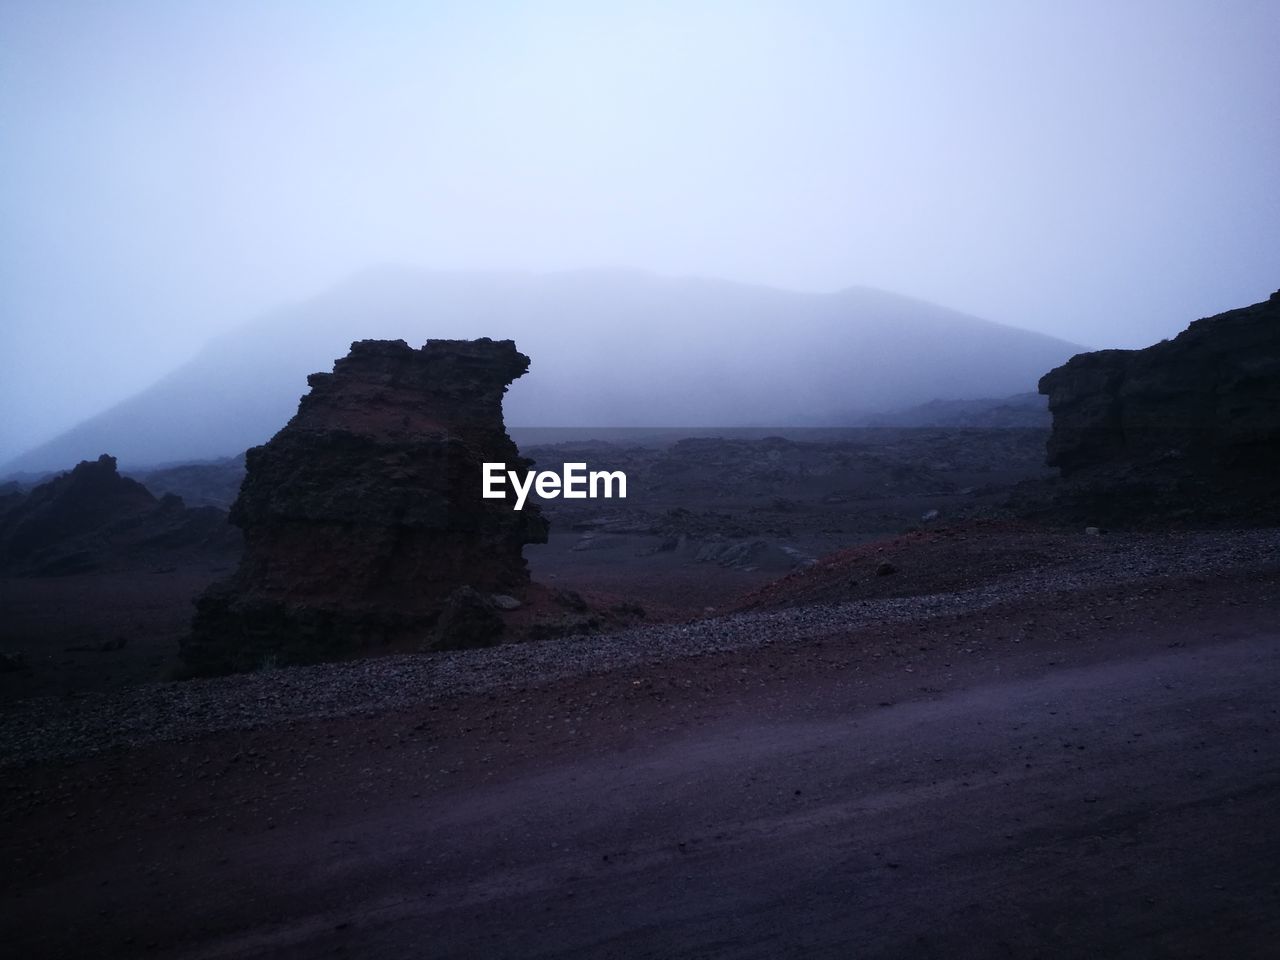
(172, 172)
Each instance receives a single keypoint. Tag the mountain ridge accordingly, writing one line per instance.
(611, 347)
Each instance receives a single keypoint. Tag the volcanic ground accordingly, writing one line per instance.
(839, 730)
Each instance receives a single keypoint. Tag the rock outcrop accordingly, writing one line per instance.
(91, 518)
(1193, 419)
(364, 515)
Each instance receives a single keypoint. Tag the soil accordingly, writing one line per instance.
(1105, 786)
(707, 520)
(1018, 741)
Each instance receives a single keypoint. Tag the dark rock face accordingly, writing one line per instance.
(91, 518)
(364, 514)
(1197, 415)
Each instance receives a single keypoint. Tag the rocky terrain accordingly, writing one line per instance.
(918, 578)
(92, 519)
(212, 483)
(1025, 410)
(97, 575)
(363, 519)
(707, 520)
(1026, 763)
(882, 692)
(1188, 425)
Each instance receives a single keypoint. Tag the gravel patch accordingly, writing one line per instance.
(43, 729)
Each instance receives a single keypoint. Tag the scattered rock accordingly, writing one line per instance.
(750, 555)
(569, 598)
(44, 729)
(505, 601)
(885, 569)
(214, 483)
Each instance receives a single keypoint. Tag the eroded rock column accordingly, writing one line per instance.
(364, 514)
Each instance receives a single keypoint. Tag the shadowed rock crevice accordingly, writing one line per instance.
(364, 515)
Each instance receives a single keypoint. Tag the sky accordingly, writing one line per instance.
(1102, 172)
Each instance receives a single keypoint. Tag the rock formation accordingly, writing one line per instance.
(91, 518)
(363, 516)
(1195, 418)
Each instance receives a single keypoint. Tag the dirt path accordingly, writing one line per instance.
(1122, 800)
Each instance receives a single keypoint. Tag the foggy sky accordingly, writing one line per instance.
(1100, 172)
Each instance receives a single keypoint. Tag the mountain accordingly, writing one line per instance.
(609, 348)
(1026, 410)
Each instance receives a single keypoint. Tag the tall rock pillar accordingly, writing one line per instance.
(364, 514)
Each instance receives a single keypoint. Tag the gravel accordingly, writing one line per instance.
(49, 728)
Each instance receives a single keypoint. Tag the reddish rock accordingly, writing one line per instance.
(363, 515)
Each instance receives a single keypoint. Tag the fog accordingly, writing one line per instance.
(1101, 173)
(610, 348)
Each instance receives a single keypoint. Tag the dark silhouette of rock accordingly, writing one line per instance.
(213, 483)
(91, 518)
(1193, 421)
(364, 514)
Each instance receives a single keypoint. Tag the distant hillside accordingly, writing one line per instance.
(609, 348)
(1020, 410)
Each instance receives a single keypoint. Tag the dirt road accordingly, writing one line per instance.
(1120, 803)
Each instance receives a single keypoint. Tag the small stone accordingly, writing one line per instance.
(505, 602)
(467, 622)
(885, 569)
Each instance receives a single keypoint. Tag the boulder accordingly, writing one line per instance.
(468, 620)
(1195, 418)
(363, 516)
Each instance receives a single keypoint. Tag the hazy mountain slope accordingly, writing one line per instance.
(609, 348)
(1020, 410)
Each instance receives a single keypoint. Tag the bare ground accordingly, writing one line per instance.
(1076, 768)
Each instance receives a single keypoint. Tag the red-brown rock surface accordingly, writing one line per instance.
(364, 514)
